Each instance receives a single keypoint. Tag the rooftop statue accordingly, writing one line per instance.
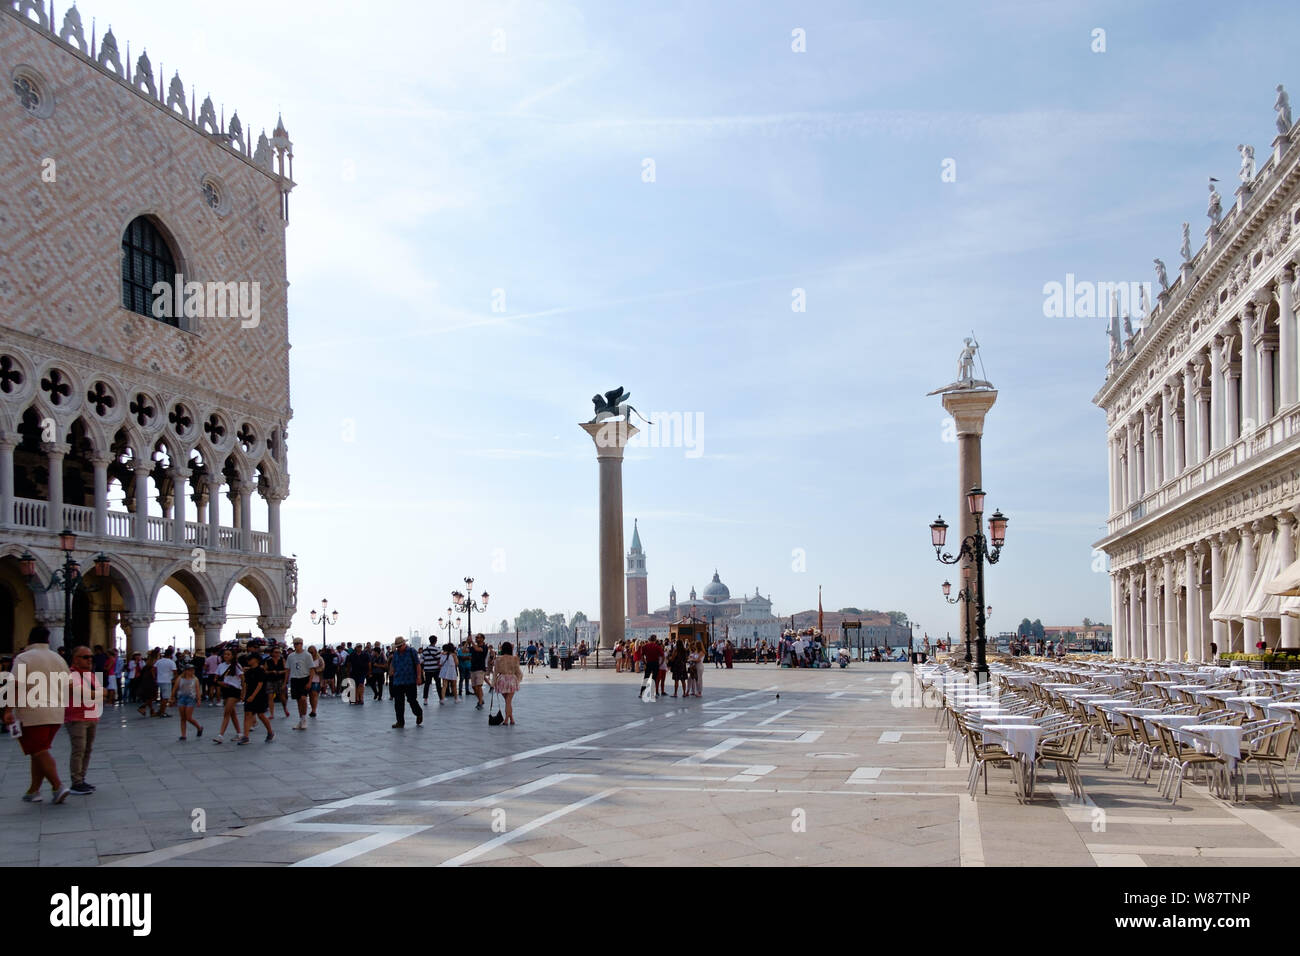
(1162, 276)
(1215, 209)
(1247, 171)
(1283, 107)
(1185, 250)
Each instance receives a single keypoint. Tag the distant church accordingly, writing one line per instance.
(745, 620)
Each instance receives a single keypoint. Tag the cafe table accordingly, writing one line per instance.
(1021, 741)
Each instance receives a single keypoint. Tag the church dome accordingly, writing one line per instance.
(716, 592)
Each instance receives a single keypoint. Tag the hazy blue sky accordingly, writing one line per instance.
(433, 170)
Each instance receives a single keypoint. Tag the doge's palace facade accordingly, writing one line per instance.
(1203, 429)
(151, 424)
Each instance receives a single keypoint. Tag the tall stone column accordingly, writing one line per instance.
(1136, 641)
(1286, 542)
(1173, 651)
(1192, 575)
(1249, 366)
(1118, 642)
(7, 445)
(1288, 361)
(273, 499)
(1251, 536)
(178, 507)
(1154, 644)
(214, 512)
(142, 472)
(1216, 394)
(138, 633)
(968, 407)
(611, 437)
(1148, 450)
(1189, 417)
(1131, 482)
(54, 452)
(212, 623)
(100, 463)
(1168, 434)
(1218, 629)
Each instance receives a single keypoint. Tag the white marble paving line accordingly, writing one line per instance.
(541, 783)
(356, 848)
(180, 849)
(710, 752)
(727, 700)
(474, 853)
(805, 792)
(775, 717)
(1274, 825)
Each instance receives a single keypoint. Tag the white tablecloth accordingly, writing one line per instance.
(1282, 709)
(1239, 704)
(1224, 739)
(1019, 739)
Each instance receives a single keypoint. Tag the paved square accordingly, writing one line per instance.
(826, 773)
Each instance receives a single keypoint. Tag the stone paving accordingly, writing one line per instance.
(771, 767)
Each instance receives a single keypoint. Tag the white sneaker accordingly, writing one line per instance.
(302, 725)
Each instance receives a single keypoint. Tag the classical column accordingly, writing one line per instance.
(1112, 499)
(1148, 451)
(1179, 449)
(1263, 347)
(54, 452)
(611, 437)
(214, 512)
(1168, 433)
(142, 470)
(1249, 367)
(246, 515)
(7, 445)
(1192, 575)
(1190, 457)
(52, 619)
(137, 627)
(1136, 641)
(968, 408)
(178, 506)
(1288, 361)
(1231, 396)
(1118, 642)
(212, 622)
(1159, 446)
(1218, 629)
(1155, 643)
(1131, 480)
(1250, 537)
(1173, 651)
(1216, 394)
(1285, 527)
(273, 500)
(274, 628)
(100, 464)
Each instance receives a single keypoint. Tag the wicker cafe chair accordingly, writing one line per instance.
(1064, 750)
(982, 755)
(1146, 751)
(1183, 758)
(1268, 747)
(1112, 733)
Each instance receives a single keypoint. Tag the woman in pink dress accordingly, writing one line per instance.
(506, 676)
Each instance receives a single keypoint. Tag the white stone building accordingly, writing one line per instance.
(158, 436)
(1203, 432)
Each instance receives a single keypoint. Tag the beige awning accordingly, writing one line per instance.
(1232, 597)
(1287, 583)
(1261, 603)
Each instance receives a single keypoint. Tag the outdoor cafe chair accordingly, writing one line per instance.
(1265, 748)
(1064, 749)
(982, 755)
(1180, 759)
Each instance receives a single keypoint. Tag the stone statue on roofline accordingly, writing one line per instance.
(1247, 171)
(1283, 107)
(1162, 276)
(965, 370)
(1185, 250)
(1215, 209)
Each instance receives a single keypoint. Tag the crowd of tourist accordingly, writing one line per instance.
(260, 678)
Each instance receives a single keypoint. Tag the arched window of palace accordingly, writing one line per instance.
(146, 260)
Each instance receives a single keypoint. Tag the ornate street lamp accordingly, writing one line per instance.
(465, 604)
(448, 625)
(68, 577)
(325, 618)
(974, 548)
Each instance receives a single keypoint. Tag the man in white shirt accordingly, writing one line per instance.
(299, 666)
(165, 669)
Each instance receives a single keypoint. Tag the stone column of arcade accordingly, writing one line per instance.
(611, 437)
(968, 408)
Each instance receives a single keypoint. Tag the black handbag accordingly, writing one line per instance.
(495, 720)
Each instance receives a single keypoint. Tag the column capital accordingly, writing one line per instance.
(213, 618)
(59, 448)
(142, 466)
(274, 623)
(610, 436)
(1262, 298)
(1285, 518)
(137, 618)
(1201, 548)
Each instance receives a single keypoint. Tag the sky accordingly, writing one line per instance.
(503, 208)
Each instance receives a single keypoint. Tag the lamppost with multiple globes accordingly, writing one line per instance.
(68, 577)
(465, 604)
(325, 617)
(975, 548)
(447, 624)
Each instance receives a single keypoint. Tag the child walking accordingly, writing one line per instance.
(185, 695)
